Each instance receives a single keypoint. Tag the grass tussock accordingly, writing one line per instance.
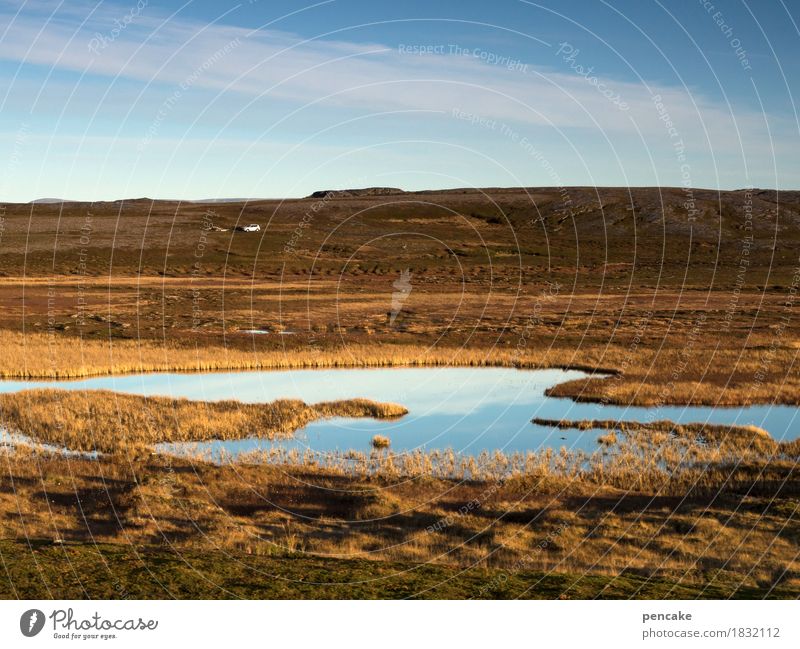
(379, 441)
(638, 460)
(730, 439)
(663, 458)
(607, 440)
(111, 422)
(615, 517)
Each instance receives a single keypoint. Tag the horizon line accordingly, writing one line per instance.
(394, 192)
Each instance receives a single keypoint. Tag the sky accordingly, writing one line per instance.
(201, 99)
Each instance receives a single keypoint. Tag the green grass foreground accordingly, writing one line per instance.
(43, 570)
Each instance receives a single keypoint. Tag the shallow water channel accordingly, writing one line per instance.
(469, 410)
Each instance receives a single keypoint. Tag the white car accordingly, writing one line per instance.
(253, 227)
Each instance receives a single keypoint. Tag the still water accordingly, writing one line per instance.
(469, 410)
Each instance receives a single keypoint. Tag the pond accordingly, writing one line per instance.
(469, 410)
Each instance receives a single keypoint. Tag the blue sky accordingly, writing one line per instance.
(265, 99)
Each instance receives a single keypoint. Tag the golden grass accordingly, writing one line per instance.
(111, 422)
(608, 439)
(698, 504)
(748, 378)
(658, 456)
(36, 355)
(648, 378)
(742, 527)
(379, 441)
(661, 499)
(642, 460)
(730, 438)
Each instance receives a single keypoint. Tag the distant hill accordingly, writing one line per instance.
(225, 200)
(367, 191)
(55, 201)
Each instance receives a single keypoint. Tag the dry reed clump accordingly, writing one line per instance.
(647, 461)
(730, 439)
(660, 457)
(111, 422)
(379, 441)
(608, 440)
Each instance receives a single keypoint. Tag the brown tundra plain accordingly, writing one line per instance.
(673, 296)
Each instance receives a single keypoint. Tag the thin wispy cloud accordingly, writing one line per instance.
(82, 48)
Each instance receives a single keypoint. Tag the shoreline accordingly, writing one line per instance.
(574, 389)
